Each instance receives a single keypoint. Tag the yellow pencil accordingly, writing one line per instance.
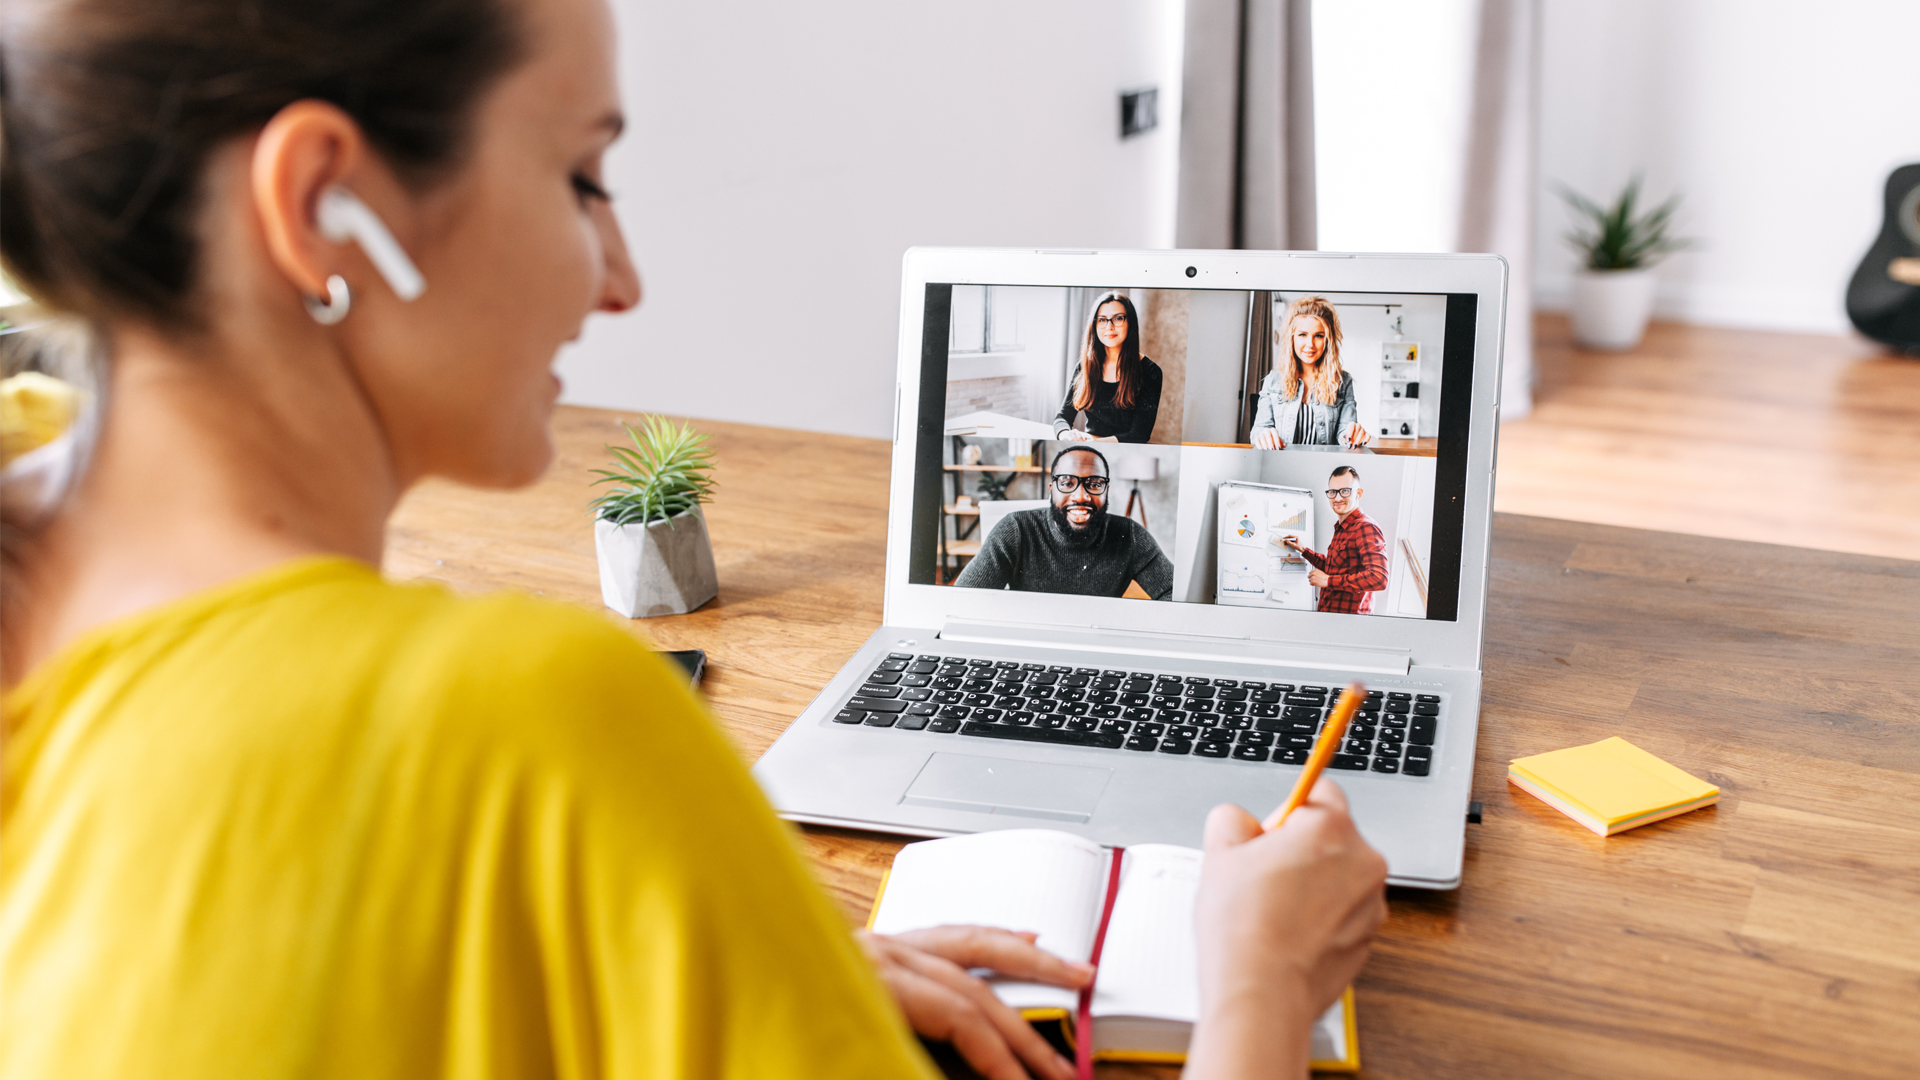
(1323, 749)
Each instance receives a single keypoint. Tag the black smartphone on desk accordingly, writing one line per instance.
(692, 661)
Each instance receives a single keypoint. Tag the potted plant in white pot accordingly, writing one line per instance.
(655, 557)
(1613, 290)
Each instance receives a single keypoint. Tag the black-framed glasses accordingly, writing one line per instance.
(1065, 483)
(1339, 493)
(1110, 320)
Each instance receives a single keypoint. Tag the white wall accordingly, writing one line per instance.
(1778, 120)
(781, 157)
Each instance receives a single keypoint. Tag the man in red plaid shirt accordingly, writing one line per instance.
(1355, 565)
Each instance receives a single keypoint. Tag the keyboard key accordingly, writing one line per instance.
(1214, 734)
(1392, 736)
(1290, 755)
(1254, 738)
(916, 681)
(976, 686)
(977, 700)
(1019, 718)
(1061, 737)
(1195, 680)
(1184, 731)
(1082, 723)
(881, 719)
(1421, 730)
(1198, 705)
(1297, 742)
(987, 716)
(1050, 721)
(1395, 723)
(1311, 700)
(1197, 690)
(1075, 708)
(1264, 710)
(1358, 747)
(1033, 667)
(1233, 708)
(1121, 726)
(1265, 697)
(1137, 741)
(1351, 762)
(1301, 712)
(1135, 701)
(1107, 712)
(1102, 697)
(910, 722)
(893, 665)
(1136, 714)
(1414, 766)
(1386, 765)
(1250, 753)
(878, 691)
(1425, 708)
(1043, 678)
(899, 656)
(1175, 716)
(1387, 749)
(1059, 669)
(1435, 698)
(1069, 694)
(1231, 723)
(1176, 746)
(1213, 749)
(850, 716)
(1283, 687)
(947, 727)
(923, 708)
(868, 704)
(1231, 693)
(1321, 690)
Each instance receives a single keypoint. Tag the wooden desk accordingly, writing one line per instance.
(1776, 935)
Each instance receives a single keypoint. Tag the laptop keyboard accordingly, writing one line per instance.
(1143, 712)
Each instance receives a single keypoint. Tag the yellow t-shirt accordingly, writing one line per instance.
(312, 824)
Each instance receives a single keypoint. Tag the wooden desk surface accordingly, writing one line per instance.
(1776, 935)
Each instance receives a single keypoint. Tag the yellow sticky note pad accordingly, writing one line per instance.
(1610, 786)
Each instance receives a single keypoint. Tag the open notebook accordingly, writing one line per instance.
(1147, 995)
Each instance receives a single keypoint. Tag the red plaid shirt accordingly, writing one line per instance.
(1355, 565)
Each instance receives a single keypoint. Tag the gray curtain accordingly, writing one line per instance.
(1497, 213)
(1246, 126)
(1257, 362)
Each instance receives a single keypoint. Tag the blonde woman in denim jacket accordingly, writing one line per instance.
(1309, 399)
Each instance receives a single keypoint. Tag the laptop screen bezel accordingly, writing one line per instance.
(1454, 644)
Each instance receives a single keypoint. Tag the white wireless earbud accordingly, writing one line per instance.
(344, 217)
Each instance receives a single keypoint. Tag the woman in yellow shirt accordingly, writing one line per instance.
(264, 814)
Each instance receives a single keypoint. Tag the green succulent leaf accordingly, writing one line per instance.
(666, 472)
(1615, 237)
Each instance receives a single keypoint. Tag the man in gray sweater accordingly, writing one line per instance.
(1074, 545)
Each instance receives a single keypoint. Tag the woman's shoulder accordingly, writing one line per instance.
(1149, 369)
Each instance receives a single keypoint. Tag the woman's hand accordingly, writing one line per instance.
(1317, 577)
(1358, 435)
(927, 972)
(1074, 435)
(1267, 438)
(1284, 921)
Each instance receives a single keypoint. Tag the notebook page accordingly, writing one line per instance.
(1147, 967)
(1051, 883)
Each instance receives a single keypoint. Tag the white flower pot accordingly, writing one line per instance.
(1611, 307)
(659, 568)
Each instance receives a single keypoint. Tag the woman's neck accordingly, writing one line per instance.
(1110, 371)
(211, 464)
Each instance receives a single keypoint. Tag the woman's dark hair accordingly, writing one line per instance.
(109, 110)
(1093, 356)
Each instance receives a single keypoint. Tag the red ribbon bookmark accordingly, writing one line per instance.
(1083, 1024)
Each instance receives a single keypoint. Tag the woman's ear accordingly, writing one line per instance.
(306, 148)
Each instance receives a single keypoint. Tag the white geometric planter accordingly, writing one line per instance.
(660, 568)
(1611, 307)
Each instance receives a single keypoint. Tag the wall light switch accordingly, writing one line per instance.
(1139, 111)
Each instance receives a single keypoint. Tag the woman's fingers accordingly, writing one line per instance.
(1004, 1030)
(1002, 951)
(939, 1012)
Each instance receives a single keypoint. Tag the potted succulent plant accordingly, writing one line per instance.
(1613, 290)
(655, 557)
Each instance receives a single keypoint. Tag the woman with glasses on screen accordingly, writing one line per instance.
(1308, 400)
(264, 813)
(1116, 387)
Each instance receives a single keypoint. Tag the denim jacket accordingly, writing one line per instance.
(1326, 424)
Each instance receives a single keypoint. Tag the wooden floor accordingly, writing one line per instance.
(1800, 439)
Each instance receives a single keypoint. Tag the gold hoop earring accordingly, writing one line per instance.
(339, 301)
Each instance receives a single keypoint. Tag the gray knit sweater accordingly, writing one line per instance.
(1028, 551)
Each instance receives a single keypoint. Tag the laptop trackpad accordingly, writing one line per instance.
(992, 785)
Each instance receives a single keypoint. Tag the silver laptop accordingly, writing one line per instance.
(1150, 513)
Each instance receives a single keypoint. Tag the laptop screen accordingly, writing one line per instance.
(1285, 450)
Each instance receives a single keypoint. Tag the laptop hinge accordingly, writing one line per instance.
(1231, 650)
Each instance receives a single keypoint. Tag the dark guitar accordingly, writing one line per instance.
(1883, 299)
